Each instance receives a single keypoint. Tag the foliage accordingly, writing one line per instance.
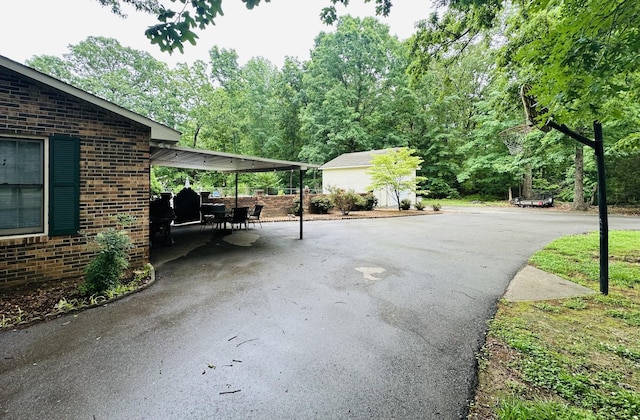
(321, 205)
(344, 200)
(439, 188)
(155, 185)
(563, 363)
(351, 85)
(265, 181)
(107, 267)
(354, 94)
(130, 78)
(419, 205)
(436, 206)
(573, 53)
(405, 204)
(295, 207)
(368, 203)
(176, 27)
(394, 171)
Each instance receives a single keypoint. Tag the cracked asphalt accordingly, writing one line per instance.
(378, 318)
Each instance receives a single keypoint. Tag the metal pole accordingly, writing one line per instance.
(301, 200)
(602, 210)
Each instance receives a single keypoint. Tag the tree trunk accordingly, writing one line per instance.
(578, 186)
(527, 188)
(594, 195)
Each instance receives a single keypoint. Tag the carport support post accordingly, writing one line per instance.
(301, 199)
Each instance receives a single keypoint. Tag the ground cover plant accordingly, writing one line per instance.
(575, 358)
(106, 278)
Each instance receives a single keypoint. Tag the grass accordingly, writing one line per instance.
(575, 358)
(467, 202)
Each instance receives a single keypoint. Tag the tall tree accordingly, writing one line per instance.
(130, 78)
(346, 83)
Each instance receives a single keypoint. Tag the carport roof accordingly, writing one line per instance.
(186, 157)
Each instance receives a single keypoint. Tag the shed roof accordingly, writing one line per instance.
(160, 133)
(354, 160)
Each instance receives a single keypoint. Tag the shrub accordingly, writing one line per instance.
(366, 203)
(405, 204)
(436, 206)
(321, 205)
(419, 205)
(295, 207)
(345, 201)
(106, 268)
(439, 188)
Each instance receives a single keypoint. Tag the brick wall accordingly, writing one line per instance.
(114, 179)
(274, 205)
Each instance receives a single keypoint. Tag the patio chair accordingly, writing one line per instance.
(238, 217)
(213, 215)
(254, 216)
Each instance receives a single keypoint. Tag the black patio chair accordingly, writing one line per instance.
(213, 214)
(254, 216)
(238, 217)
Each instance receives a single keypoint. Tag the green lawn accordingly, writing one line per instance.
(465, 202)
(575, 358)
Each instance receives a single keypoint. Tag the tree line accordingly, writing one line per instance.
(453, 100)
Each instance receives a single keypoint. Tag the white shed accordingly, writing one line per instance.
(349, 171)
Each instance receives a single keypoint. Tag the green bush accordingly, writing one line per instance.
(295, 207)
(367, 203)
(436, 206)
(439, 188)
(320, 205)
(419, 205)
(405, 204)
(106, 268)
(343, 200)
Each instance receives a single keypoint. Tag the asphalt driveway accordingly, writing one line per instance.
(362, 319)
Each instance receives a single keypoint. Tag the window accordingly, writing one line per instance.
(21, 186)
(23, 192)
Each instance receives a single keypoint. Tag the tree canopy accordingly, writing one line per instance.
(394, 171)
(176, 27)
(459, 108)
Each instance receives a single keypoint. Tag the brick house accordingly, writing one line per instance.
(69, 163)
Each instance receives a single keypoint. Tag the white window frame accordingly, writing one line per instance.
(45, 186)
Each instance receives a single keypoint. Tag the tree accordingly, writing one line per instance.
(127, 77)
(349, 84)
(395, 171)
(575, 54)
(176, 27)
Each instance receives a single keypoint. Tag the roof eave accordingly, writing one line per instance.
(159, 132)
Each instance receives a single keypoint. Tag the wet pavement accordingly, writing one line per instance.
(363, 318)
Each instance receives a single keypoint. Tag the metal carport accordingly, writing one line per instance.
(168, 154)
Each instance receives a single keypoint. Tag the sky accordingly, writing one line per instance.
(272, 30)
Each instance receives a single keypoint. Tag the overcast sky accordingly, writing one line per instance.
(272, 30)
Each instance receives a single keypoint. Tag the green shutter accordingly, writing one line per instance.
(64, 185)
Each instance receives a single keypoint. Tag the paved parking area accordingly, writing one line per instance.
(362, 319)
